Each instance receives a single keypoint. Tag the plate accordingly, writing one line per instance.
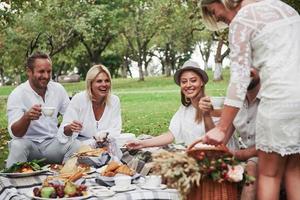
(161, 187)
(100, 191)
(31, 196)
(110, 180)
(123, 189)
(18, 174)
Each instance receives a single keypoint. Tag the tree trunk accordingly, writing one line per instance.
(18, 79)
(129, 71)
(163, 67)
(125, 67)
(168, 69)
(218, 62)
(2, 76)
(218, 72)
(59, 70)
(141, 73)
(205, 65)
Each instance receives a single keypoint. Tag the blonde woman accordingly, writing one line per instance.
(94, 110)
(264, 34)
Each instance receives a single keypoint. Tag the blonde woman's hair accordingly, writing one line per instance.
(209, 20)
(91, 76)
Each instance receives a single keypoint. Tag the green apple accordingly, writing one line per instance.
(47, 191)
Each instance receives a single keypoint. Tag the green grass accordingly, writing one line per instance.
(147, 107)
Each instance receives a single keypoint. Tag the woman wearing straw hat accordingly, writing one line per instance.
(264, 34)
(194, 117)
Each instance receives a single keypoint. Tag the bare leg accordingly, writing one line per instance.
(249, 191)
(271, 168)
(292, 177)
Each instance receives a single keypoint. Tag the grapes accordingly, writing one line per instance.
(36, 192)
(59, 191)
(53, 195)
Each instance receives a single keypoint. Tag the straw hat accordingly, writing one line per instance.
(190, 65)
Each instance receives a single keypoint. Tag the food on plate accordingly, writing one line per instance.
(47, 191)
(24, 167)
(56, 190)
(124, 169)
(84, 167)
(76, 176)
(56, 167)
(70, 188)
(114, 168)
(86, 150)
(72, 166)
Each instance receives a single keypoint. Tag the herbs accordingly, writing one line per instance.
(20, 167)
(177, 169)
(182, 171)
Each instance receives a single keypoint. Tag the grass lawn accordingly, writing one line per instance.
(147, 107)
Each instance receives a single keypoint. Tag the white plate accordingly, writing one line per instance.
(161, 187)
(31, 196)
(123, 189)
(112, 178)
(102, 193)
(18, 174)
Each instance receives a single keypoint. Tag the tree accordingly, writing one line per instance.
(221, 38)
(205, 47)
(98, 26)
(141, 26)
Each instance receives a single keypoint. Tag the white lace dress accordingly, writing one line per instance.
(266, 35)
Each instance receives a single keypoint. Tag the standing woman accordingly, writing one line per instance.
(92, 111)
(264, 34)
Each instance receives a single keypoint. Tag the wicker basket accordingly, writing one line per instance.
(209, 189)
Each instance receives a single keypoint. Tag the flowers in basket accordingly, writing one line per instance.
(184, 170)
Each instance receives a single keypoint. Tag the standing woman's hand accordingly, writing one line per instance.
(215, 136)
(205, 105)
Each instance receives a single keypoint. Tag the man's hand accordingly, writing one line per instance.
(19, 128)
(215, 136)
(34, 112)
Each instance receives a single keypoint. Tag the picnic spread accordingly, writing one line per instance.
(175, 172)
(87, 181)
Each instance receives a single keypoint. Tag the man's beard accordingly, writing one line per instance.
(253, 84)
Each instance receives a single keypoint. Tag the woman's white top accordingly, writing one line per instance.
(266, 35)
(183, 126)
(80, 109)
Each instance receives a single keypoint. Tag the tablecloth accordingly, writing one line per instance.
(15, 188)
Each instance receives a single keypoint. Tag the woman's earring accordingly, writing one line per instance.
(188, 100)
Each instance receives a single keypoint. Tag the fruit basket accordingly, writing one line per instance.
(215, 164)
(202, 172)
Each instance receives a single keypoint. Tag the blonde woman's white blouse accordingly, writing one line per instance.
(80, 109)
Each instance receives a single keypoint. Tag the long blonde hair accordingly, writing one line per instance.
(209, 20)
(90, 77)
